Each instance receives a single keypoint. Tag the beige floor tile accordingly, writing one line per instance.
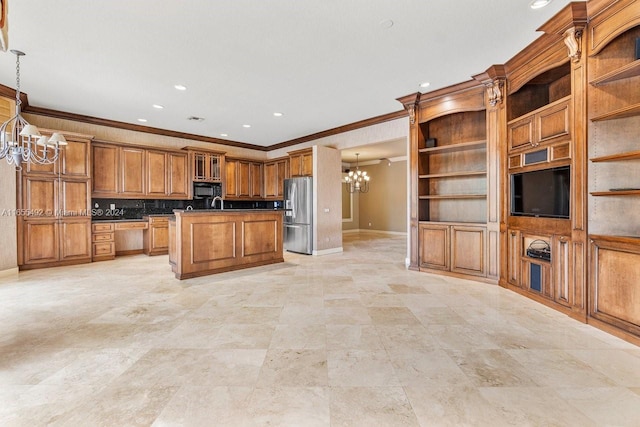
(615, 406)
(353, 337)
(371, 406)
(343, 339)
(360, 368)
(294, 368)
(289, 406)
(200, 406)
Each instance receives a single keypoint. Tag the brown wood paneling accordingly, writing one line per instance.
(75, 159)
(75, 198)
(41, 242)
(434, 246)
(178, 176)
(132, 171)
(615, 282)
(105, 160)
(212, 242)
(40, 196)
(259, 237)
(75, 239)
(553, 122)
(156, 162)
(467, 250)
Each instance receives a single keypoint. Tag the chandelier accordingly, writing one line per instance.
(21, 142)
(357, 181)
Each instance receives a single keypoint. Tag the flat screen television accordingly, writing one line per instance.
(541, 193)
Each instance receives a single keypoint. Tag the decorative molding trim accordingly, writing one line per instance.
(137, 128)
(412, 114)
(494, 92)
(341, 129)
(573, 39)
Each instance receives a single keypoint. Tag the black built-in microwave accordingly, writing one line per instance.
(206, 190)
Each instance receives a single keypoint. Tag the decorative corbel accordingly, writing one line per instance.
(494, 91)
(412, 114)
(572, 38)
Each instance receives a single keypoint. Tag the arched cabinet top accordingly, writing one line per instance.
(607, 22)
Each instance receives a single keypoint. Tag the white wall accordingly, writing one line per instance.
(327, 176)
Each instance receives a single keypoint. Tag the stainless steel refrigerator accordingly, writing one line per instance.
(298, 214)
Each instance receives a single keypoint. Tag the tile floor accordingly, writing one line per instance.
(351, 339)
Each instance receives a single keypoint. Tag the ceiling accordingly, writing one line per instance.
(322, 63)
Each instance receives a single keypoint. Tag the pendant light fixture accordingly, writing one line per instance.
(21, 142)
(357, 181)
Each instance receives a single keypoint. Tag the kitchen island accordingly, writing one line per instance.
(208, 241)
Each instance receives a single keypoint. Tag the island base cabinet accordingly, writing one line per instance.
(203, 243)
(615, 282)
(458, 249)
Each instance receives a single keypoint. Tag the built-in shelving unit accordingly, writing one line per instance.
(614, 159)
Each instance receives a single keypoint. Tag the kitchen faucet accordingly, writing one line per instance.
(213, 203)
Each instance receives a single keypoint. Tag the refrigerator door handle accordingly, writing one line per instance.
(291, 226)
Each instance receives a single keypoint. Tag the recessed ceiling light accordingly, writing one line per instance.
(425, 84)
(223, 134)
(537, 4)
(180, 87)
(142, 120)
(158, 106)
(278, 114)
(246, 126)
(386, 23)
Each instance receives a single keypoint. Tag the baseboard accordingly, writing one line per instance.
(327, 251)
(9, 272)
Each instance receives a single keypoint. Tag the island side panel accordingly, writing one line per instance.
(217, 241)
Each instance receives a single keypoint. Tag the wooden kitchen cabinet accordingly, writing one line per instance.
(103, 241)
(75, 238)
(132, 172)
(255, 175)
(301, 162)
(243, 179)
(129, 172)
(156, 236)
(54, 224)
(156, 173)
(178, 184)
(274, 173)
(105, 163)
(206, 166)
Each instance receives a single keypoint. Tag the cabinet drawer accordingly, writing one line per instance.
(102, 237)
(161, 221)
(138, 225)
(103, 248)
(108, 226)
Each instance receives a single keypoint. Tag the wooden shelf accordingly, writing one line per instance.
(629, 111)
(630, 70)
(454, 147)
(616, 193)
(630, 155)
(452, 196)
(452, 174)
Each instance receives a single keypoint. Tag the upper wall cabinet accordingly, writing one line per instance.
(301, 162)
(206, 166)
(131, 172)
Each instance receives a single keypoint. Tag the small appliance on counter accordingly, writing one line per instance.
(298, 214)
